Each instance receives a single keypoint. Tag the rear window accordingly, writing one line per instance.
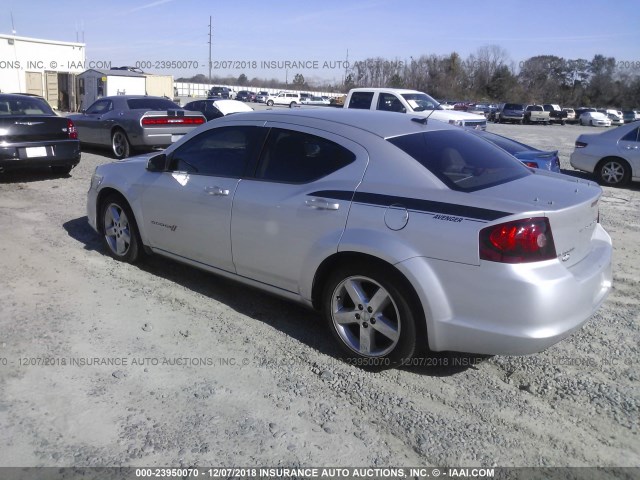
(16, 105)
(361, 100)
(513, 106)
(505, 143)
(461, 160)
(152, 104)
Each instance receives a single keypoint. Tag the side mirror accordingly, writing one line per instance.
(157, 163)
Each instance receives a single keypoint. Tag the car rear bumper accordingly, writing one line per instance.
(41, 154)
(160, 137)
(500, 309)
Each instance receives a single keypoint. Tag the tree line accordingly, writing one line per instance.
(489, 75)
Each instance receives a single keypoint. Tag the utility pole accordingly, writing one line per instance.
(210, 50)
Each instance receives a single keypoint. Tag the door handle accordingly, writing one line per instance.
(216, 191)
(631, 148)
(320, 204)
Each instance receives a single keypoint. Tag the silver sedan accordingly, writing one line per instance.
(404, 233)
(612, 156)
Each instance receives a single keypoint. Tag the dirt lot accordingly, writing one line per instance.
(207, 372)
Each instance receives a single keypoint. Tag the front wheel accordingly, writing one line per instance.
(613, 172)
(120, 231)
(270, 103)
(120, 144)
(369, 314)
(292, 104)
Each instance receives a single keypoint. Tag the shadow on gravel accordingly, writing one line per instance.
(31, 175)
(80, 230)
(296, 321)
(633, 186)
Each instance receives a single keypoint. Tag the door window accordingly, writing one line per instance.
(296, 157)
(222, 152)
(101, 106)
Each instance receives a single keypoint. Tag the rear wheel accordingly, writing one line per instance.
(119, 228)
(613, 172)
(120, 144)
(369, 313)
(292, 104)
(270, 103)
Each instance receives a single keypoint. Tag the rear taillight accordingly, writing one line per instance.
(580, 144)
(521, 241)
(531, 164)
(173, 121)
(71, 130)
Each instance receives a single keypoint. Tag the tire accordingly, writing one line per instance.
(120, 145)
(61, 169)
(592, 123)
(380, 335)
(614, 172)
(563, 123)
(270, 103)
(292, 104)
(120, 234)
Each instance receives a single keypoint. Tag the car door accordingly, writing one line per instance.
(629, 147)
(91, 123)
(187, 209)
(286, 220)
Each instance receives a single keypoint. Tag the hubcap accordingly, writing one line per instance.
(119, 144)
(116, 229)
(365, 316)
(612, 172)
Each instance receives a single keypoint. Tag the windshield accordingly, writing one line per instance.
(420, 102)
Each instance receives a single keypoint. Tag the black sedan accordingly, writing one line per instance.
(32, 135)
(246, 96)
(212, 108)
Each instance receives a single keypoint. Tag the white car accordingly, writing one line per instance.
(284, 98)
(612, 156)
(313, 100)
(405, 234)
(595, 119)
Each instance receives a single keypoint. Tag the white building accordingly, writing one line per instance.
(42, 67)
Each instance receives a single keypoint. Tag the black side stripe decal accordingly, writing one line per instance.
(427, 206)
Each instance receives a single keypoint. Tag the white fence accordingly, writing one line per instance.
(201, 89)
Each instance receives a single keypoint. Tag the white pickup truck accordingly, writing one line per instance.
(411, 102)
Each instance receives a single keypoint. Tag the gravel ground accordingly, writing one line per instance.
(207, 372)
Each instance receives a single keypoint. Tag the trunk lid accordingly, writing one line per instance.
(32, 128)
(570, 204)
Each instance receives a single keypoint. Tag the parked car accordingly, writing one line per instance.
(556, 114)
(219, 92)
(571, 115)
(411, 102)
(510, 112)
(595, 119)
(261, 97)
(530, 156)
(245, 96)
(612, 156)
(213, 109)
(128, 122)
(630, 116)
(581, 110)
(33, 136)
(616, 119)
(285, 98)
(314, 100)
(404, 234)
(536, 114)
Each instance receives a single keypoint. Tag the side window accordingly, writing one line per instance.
(101, 106)
(296, 157)
(361, 100)
(223, 152)
(390, 103)
(632, 136)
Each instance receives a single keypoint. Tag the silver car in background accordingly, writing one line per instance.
(128, 122)
(404, 232)
(612, 156)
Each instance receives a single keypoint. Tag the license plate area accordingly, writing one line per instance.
(35, 152)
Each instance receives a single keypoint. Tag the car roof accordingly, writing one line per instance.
(378, 89)
(131, 97)
(382, 124)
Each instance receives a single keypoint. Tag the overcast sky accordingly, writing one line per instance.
(130, 32)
